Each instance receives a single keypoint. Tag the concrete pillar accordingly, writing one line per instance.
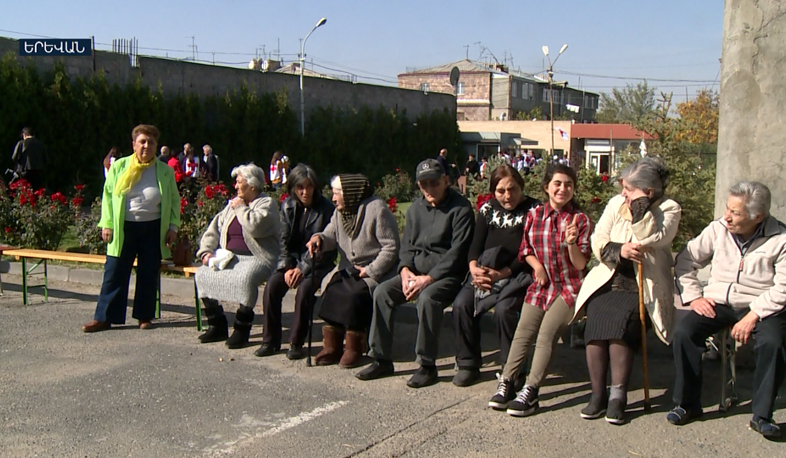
(752, 125)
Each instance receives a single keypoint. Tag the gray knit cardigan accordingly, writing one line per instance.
(375, 247)
(260, 221)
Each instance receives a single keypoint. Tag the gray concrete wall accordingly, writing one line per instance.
(752, 137)
(188, 77)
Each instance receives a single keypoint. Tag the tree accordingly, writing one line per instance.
(700, 118)
(629, 105)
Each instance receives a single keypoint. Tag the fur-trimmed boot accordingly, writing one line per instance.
(217, 327)
(333, 342)
(356, 348)
(243, 319)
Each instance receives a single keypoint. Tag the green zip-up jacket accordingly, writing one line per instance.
(113, 206)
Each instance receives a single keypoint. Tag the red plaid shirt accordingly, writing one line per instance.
(544, 237)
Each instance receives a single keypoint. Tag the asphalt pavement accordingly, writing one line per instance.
(159, 392)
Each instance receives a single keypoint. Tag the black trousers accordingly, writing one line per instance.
(769, 351)
(467, 326)
(275, 290)
(143, 242)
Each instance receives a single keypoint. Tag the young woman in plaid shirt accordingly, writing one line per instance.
(556, 244)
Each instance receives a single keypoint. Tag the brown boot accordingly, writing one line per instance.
(356, 348)
(332, 340)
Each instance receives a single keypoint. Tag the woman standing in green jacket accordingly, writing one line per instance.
(140, 214)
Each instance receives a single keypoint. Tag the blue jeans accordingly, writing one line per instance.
(141, 242)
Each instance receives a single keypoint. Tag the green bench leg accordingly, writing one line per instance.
(24, 281)
(46, 283)
(158, 297)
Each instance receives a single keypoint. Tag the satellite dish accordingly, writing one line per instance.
(252, 65)
(454, 76)
(265, 65)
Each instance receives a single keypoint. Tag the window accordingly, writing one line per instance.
(589, 101)
(424, 87)
(531, 90)
(514, 85)
(459, 88)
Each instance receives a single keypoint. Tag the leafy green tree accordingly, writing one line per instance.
(629, 105)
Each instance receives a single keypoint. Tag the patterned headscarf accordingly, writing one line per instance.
(355, 188)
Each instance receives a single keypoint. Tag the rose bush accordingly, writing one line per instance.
(32, 219)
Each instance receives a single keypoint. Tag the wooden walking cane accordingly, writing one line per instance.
(643, 318)
(311, 312)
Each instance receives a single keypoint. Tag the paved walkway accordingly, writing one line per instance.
(160, 393)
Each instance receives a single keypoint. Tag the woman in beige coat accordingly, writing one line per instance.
(637, 226)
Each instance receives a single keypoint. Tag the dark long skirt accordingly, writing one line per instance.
(614, 315)
(347, 301)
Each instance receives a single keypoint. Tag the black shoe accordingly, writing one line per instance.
(595, 409)
(267, 349)
(215, 334)
(295, 352)
(681, 416)
(217, 330)
(378, 369)
(424, 376)
(765, 427)
(466, 376)
(526, 402)
(243, 319)
(505, 393)
(616, 412)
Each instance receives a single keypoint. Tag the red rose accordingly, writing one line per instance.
(397, 170)
(209, 192)
(595, 200)
(183, 204)
(22, 199)
(40, 192)
(604, 178)
(392, 205)
(8, 230)
(79, 187)
(200, 204)
(77, 201)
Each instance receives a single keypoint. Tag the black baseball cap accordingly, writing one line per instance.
(430, 169)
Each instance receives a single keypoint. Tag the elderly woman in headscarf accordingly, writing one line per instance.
(239, 250)
(636, 228)
(365, 232)
(140, 214)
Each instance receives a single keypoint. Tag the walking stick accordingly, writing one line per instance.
(311, 312)
(642, 317)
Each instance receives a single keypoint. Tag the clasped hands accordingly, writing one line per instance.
(412, 285)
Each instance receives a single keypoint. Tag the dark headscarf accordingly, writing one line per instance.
(355, 188)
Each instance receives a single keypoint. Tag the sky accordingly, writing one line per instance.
(674, 44)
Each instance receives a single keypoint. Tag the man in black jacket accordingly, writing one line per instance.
(304, 213)
(210, 161)
(433, 263)
(29, 158)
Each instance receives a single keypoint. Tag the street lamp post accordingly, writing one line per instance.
(320, 23)
(551, 91)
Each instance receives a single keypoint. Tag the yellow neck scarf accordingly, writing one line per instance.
(132, 175)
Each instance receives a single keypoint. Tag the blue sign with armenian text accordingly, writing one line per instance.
(55, 47)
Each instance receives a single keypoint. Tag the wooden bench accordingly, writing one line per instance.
(44, 255)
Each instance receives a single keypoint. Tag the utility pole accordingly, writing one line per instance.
(193, 48)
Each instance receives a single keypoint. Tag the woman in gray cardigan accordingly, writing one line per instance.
(365, 232)
(238, 250)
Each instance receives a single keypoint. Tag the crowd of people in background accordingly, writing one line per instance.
(527, 258)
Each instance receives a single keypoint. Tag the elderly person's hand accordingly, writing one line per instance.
(206, 258)
(361, 271)
(237, 202)
(293, 277)
(416, 285)
(171, 237)
(742, 331)
(314, 245)
(704, 306)
(106, 235)
(632, 251)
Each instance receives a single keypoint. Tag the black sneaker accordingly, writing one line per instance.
(266, 349)
(378, 369)
(595, 409)
(466, 376)
(505, 393)
(765, 427)
(295, 352)
(681, 416)
(616, 412)
(424, 376)
(526, 402)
